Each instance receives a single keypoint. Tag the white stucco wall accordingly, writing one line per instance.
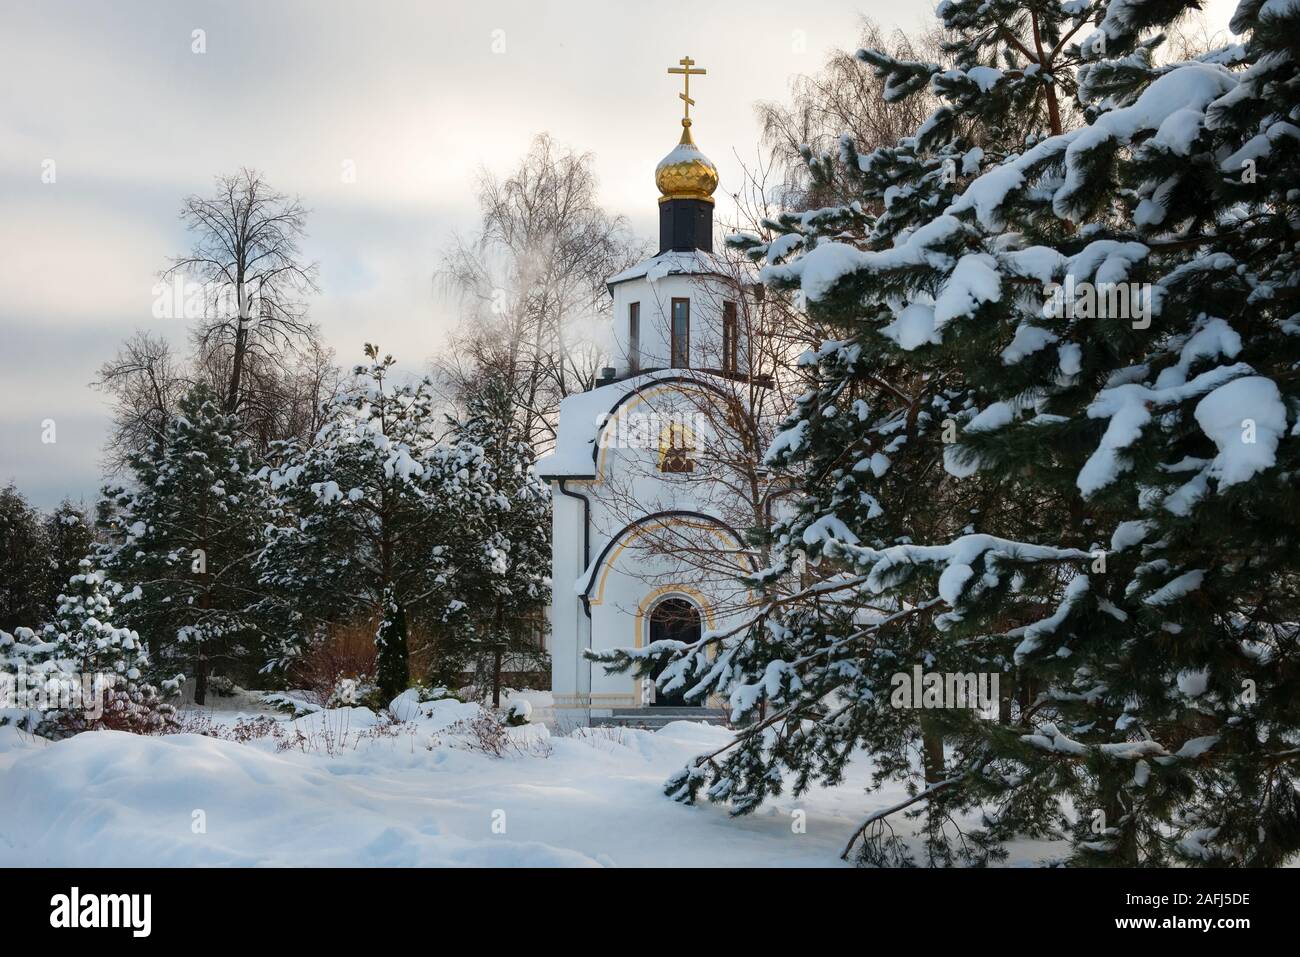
(569, 632)
(706, 295)
(631, 565)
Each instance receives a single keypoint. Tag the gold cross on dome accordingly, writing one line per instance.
(686, 72)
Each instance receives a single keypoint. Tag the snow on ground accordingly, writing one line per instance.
(347, 787)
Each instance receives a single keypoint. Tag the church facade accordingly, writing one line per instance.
(645, 544)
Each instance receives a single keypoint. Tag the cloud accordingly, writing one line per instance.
(417, 96)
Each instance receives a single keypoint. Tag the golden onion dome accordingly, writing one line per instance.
(686, 173)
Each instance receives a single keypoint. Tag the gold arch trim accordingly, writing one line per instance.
(647, 605)
(631, 404)
(640, 531)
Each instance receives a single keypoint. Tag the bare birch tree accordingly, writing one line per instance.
(246, 254)
(842, 98)
(532, 283)
(146, 382)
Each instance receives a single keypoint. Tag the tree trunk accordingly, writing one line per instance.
(392, 666)
(1053, 108)
(201, 678)
(1126, 851)
(496, 657)
(241, 349)
(205, 603)
(931, 751)
(1024, 692)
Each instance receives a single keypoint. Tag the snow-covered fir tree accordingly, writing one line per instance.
(23, 575)
(68, 539)
(376, 518)
(185, 535)
(1052, 441)
(510, 588)
(83, 647)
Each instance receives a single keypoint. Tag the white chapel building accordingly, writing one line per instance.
(642, 549)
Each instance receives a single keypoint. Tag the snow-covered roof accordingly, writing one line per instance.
(693, 262)
(684, 153)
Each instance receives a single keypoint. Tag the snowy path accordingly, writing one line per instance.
(108, 798)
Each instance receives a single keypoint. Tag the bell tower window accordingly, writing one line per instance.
(729, 351)
(634, 337)
(681, 334)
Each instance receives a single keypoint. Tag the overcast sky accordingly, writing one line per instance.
(414, 94)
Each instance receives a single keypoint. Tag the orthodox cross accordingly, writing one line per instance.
(686, 73)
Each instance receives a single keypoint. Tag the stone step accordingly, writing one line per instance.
(656, 718)
(649, 724)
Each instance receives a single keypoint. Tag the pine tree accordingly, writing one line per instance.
(92, 652)
(187, 532)
(377, 518)
(1050, 441)
(510, 587)
(24, 576)
(392, 665)
(69, 538)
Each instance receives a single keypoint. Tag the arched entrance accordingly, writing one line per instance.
(673, 619)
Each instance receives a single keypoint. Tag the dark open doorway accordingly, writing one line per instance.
(673, 619)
